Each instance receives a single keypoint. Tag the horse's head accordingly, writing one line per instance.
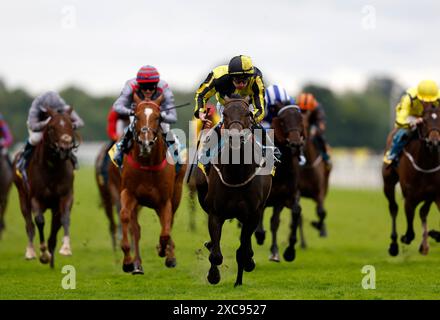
(430, 129)
(237, 119)
(59, 133)
(147, 123)
(288, 126)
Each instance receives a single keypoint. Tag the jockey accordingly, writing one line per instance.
(5, 135)
(238, 77)
(277, 95)
(147, 84)
(408, 116)
(316, 121)
(38, 119)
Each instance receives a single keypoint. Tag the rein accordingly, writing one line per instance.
(418, 168)
(238, 185)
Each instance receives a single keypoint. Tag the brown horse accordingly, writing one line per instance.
(418, 173)
(5, 186)
(314, 178)
(50, 176)
(148, 179)
(289, 132)
(109, 181)
(234, 191)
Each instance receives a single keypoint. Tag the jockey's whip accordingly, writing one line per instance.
(178, 106)
(191, 168)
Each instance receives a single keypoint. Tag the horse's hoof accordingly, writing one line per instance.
(424, 250)
(237, 283)
(435, 235)
(289, 254)
(128, 267)
(394, 249)
(170, 262)
(65, 251)
(260, 236)
(316, 225)
(45, 257)
(160, 251)
(30, 254)
(407, 239)
(138, 270)
(213, 275)
(248, 267)
(275, 257)
(303, 245)
(323, 232)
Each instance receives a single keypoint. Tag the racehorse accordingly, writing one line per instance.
(289, 132)
(149, 179)
(50, 185)
(109, 180)
(234, 191)
(418, 173)
(314, 178)
(5, 186)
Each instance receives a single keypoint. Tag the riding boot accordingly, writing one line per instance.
(23, 161)
(267, 143)
(322, 147)
(205, 154)
(123, 146)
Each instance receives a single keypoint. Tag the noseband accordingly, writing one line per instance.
(145, 129)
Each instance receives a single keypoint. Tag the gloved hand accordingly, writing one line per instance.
(415, 121)
(206, 122)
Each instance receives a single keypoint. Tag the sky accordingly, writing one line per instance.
(98, 45)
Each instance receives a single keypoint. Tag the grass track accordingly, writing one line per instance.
(358, 226)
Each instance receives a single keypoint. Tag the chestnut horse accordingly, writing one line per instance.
(234, 191)
(418, 173)
(149, 179)
(289, 132)
(50, 177)
(314, 178)
(108, 180)
(5, 186)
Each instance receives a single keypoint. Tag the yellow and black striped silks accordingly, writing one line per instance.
(219, 82)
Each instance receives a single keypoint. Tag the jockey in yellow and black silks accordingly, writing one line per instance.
(239, 77)
(408, 116)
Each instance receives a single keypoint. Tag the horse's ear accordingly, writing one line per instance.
(159, 99)
(136, 98)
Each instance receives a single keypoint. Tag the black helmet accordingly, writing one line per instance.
(241, 66)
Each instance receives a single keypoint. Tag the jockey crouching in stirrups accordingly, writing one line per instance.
(147, 85)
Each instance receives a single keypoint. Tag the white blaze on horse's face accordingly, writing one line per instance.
(62, 123)
(434, 116)
(147, 145)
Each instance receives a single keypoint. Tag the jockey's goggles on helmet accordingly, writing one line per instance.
(240, 78)
(148, 86)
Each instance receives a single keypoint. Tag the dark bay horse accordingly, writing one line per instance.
(418, 173)
(234, 191)
(314, 178)
(50, 175)
(108, 180)
(289, 132)
(5, 186)
(149, 179)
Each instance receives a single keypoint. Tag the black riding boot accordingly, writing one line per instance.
(123, 146)
(23, 162)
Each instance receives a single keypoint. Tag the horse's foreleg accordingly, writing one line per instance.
(245, 253)
(136, 231)
(410, 207)
(56, 225)
(39, 221)
(302, 238)
(424, 210)
(390, 181)
(128, 204)
(274, 225)
(215, 225)
(65, 210)
(166, 244)
(260, 233)
(434, 233)
(321, 213)
(30, 228)
(290, 253)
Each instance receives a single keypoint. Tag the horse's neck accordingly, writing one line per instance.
(236, 173)
(422, 155)
(156, 156)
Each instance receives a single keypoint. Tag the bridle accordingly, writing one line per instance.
(145, 129)
(290, 129)
(53, 144)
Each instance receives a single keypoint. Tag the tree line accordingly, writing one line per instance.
(354, 118)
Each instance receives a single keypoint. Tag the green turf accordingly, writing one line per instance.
(358, 226)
